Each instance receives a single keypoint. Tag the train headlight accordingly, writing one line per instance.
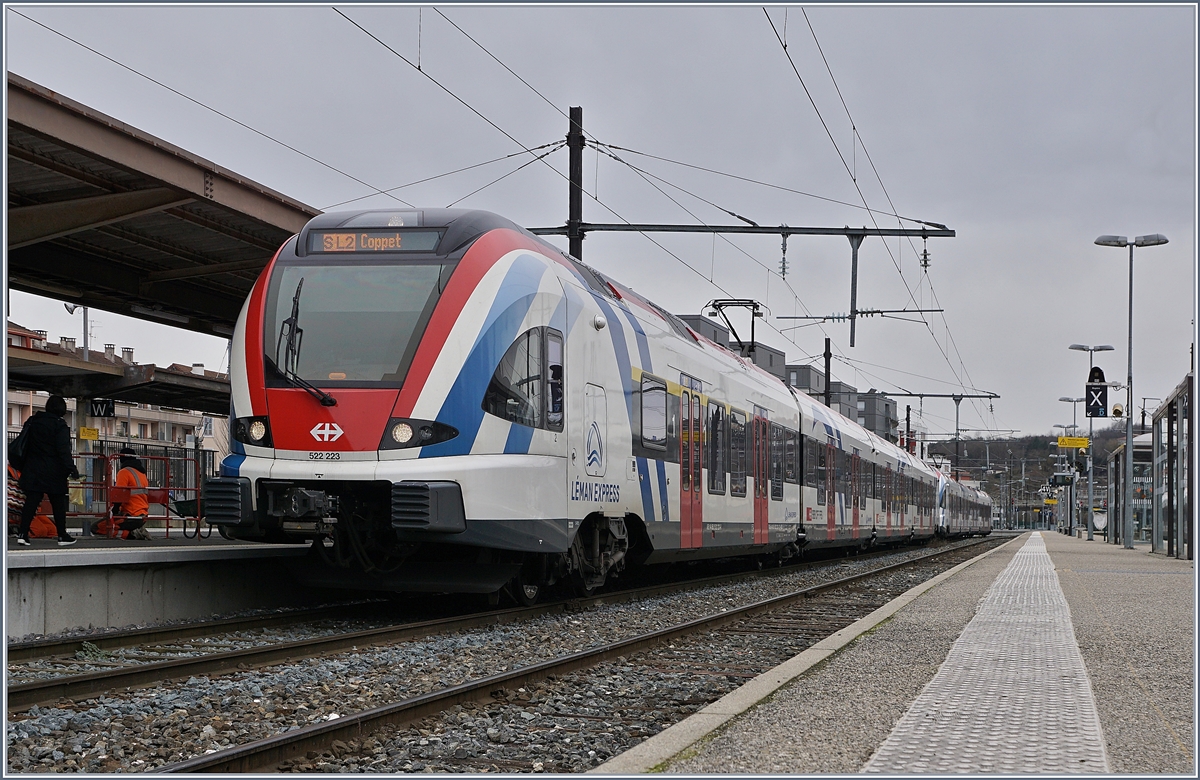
(401, 433)
(253, 430)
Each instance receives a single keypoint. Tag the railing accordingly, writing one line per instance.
(175, 476)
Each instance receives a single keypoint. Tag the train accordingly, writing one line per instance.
(438, 400)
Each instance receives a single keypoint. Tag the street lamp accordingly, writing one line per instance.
(1154, 239)
(1091, 497)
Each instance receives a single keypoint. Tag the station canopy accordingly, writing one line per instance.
(104, 215)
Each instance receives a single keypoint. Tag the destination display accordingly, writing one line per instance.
(373, 240)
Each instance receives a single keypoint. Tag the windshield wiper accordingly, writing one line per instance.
(291, 335)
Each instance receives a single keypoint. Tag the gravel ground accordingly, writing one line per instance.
(94, 659)
(1134, 620)
(832, 718)
(171, 721)
(577, 722)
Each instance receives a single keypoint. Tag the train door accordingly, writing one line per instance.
(888, 498)
(831, 490)
(854, 491)
(762, 479)
(691, 471)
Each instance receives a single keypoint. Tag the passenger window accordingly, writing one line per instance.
(554, 380)
(737, 446)
(654, 413)
(776, 462)
(717, 448)
(791, 457)
(515, 392)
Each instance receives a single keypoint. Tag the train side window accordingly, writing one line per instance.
(717, 447)
(515, 392)
(821, 466)
(776, 462)
(654, 413)
(737, 460)
(554, 380)
(791, 457)
(810, 462)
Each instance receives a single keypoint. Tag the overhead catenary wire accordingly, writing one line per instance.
(441, 175)
(609, 151)
(598, 145)
(207, 107)
(849, 171)
(510, 173)
(887, 195)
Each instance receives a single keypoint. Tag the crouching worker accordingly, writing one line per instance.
(128, 516)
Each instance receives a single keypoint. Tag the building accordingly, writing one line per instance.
(133, 423)
(877, 413)
(768, 358)
(807, 379)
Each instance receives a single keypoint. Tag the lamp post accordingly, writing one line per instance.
(1074, 418)
(1070, 431)
(1091, 497)
(1154, 239)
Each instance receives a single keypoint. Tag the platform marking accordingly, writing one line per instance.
(1012, 696)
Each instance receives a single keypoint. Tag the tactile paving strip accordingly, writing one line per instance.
(1012, 696)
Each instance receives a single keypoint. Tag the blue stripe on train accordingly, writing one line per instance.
(647, 494)
(462, 408)
(232, 464)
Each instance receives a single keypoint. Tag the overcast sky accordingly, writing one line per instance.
(1028, 130)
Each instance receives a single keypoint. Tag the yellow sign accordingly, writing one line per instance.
(1050, 501)
(91, 434)
(1073, 442)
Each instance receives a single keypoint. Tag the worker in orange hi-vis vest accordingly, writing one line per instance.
(129, 515)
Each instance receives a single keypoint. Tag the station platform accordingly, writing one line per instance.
(1049, 655)
(113, 583)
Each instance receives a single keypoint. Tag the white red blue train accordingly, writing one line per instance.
(438, 400)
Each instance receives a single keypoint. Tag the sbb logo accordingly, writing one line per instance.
(326, 431)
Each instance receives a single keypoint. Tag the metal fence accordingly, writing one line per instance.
(181, 470)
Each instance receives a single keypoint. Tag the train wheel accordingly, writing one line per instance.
(224, 533)
(525, 593)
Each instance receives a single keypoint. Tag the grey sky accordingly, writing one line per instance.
(1028, 130)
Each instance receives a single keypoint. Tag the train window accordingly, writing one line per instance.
(791, 456)
(810, 462)
(822, 452)
(654, 413)
(776, 462)
(554, 380)
(718, 449)
(515, 392)
(737, 446)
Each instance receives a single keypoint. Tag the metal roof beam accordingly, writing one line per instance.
(49, 115)
(31, 224)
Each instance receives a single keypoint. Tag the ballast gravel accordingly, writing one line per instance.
(143, 729)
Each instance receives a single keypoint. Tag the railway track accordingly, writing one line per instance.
(151, 655)
(801, 618)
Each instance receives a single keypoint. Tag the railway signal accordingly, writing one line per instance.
(1096, 394)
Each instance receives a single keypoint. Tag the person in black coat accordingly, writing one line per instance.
(48, 464)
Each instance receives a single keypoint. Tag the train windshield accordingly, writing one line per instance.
(347, 325)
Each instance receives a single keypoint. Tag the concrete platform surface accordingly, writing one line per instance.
(102, 551)
(1132, 625)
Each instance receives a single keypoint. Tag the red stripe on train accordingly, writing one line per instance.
(254, 339)
(477, 261)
